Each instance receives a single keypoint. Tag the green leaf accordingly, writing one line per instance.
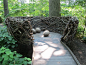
(13, 42)
(29, 62)
(4, 62)
(10, 59)
(28, 59)
(11, 55)
(1, 59)
(2, 48)
(18, 55)
(25, 62)
(10, 64)
(14, 52)
(21, 59)
(25, 58)
(8, 52)
(16, 59)
(13, 46)
(1, 39)
(16, 64)
(6, 57)
(10, 38)
(2, 51)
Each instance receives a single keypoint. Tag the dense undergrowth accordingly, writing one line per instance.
(8, 55)
(6, 40)
(12, 58)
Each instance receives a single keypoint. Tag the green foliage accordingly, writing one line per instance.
(41, 8)
(6, 40)
(77, 11)
(80, 2)
(12, 58)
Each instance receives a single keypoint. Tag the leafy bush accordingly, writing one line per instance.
(39, 8)
(80, 2)
(6, 40)
(12, 58)
(77, 11)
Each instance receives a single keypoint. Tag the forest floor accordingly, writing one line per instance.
(79, 50)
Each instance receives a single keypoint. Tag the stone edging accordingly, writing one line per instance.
(71, 53)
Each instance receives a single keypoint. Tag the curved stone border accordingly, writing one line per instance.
(71, 53)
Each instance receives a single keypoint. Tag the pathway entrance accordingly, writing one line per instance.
(50, 51)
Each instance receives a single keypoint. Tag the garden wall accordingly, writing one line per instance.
(21, 29)
(53, 24)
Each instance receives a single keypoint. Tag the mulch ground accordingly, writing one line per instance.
(79, 50)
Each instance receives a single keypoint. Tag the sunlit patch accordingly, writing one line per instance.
(36, 56)
(52, 44)
(59, 52)
(39, 43)
(40, 48)
(40, 62)
(42, 35)
(47, 53)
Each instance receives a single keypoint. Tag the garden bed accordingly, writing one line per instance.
(79, 50)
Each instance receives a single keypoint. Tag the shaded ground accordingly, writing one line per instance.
(79, 50)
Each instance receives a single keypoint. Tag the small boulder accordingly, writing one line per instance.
(46, 33)
(38, 30)
(34, 31)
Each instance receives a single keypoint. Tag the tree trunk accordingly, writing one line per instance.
(69, 2)
(22, 1)
(54, 8)
(85, 17)
(6, 11)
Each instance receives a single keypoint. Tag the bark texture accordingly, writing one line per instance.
(54, 8)
(6, 11)
(70, 30)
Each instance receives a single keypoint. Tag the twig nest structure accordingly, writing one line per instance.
(34, 31)
(21, 30)
(38, 30)
(46, 33)
(43, 29)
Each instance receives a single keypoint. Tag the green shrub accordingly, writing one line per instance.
(6, 40)
(12, 58)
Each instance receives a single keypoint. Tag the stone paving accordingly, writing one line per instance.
(50, 51)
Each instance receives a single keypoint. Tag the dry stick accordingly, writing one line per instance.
(11, 31)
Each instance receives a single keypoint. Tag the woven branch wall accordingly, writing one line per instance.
(21, 31)
(67, 26)
(20, 27)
